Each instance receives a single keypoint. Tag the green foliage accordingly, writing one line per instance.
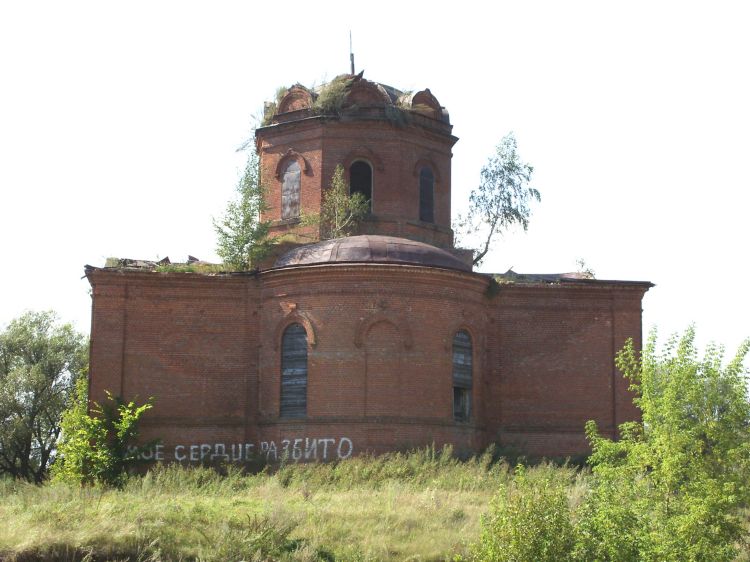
(428, 466)
(39, 363)
(404, 100)
(204, 268)
(328, 100)
(585, 269)
(80, 458)
(672, 486)
(398, 115)
(332, 95)
(670, 489)
(242, 236)
(255, 538)
(340, 212)
(493, 288)
(418, 505)
(97, 447)
(530, 519)
(503, 197)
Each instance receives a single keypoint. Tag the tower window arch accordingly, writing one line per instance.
(360, 180)
(293, 372)
(426, 195)
(462, 375)
(290, 189)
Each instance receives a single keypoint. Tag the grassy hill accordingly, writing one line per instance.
(419, 506)
(424, 505)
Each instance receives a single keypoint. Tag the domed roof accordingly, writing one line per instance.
(350, 94)
(371, 249)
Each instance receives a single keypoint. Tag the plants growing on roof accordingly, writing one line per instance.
(331, 96)
(271, 107)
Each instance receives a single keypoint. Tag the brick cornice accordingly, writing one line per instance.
(113, 276)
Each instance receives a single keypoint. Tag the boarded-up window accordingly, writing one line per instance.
(462, 376)
(290, 191)
(426, 195)
(294, 372)
(360, 180)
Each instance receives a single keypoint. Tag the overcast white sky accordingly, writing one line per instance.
(119, 124)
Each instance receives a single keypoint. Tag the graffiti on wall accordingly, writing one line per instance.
(294, 449)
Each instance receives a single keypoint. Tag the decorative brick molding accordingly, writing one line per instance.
(401, 324)
(292, 154)
(428, 162)
(297, 97)
(363, 153)
(296, 317)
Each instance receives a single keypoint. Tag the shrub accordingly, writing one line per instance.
(256, 538)
(672, 486)
(530, 518)
(332, 95)
(97, 448)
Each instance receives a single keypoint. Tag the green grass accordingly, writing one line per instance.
(198, 267)
(419, 506)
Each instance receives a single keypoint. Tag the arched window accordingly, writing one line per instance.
(462, 376)
(360, 180)
(426, 195)
(294, 372)
(290, 191)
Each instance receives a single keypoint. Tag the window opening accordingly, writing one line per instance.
(294, 372)
(462, 376)
(360, 180)
(290, 188)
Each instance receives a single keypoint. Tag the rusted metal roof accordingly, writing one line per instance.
(511, 276)
(371, 249)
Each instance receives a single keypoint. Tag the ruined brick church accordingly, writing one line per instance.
(382, 341)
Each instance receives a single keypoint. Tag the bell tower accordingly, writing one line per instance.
(394, 146)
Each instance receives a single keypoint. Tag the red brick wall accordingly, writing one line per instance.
(184, 339)
(379, 358)
(395, 154)
(305, 139)
(555, 347)
(108, 326)
(382, 337)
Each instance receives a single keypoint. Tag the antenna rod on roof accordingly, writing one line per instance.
(351, 53)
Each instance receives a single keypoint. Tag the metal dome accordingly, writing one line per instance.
(371, 249)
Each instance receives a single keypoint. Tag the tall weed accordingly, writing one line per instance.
(530, 518)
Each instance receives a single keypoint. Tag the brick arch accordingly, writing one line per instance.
(465, 326)
(425, 102)
(429, 163)
(399, 322)
(295, 318)
(363, 153)
(292, 154)
(297, 97)
(384, 375)
(364, 93)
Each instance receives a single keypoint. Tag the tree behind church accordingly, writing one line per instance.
(502, 199)
(242, 237)
(40, 360)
